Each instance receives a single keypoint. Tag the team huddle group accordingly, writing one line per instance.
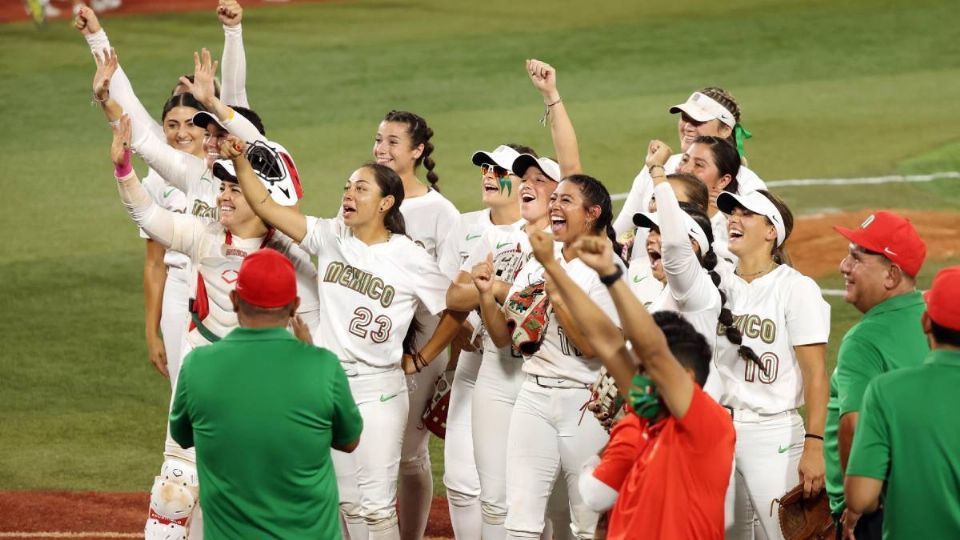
(642, 371)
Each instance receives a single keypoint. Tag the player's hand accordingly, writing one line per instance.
(204, 71)
(553, 292)
(301, 330)
(482, 274)
(597, 253)
(658, 153)
(158, 354)
(86, 21)
(544, 79)
(230, 12)
(812, 468)
(232, 148)
(848, 520)
(408, 364)
(542, 244)
(107, 64)
(121, 141)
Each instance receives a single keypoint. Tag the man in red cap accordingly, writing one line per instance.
(909, 435)
(883, 259)
(263, 409)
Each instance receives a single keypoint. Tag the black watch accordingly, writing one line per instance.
(610, 279)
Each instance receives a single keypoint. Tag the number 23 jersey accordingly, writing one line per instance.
(774, 313)
(369, 293)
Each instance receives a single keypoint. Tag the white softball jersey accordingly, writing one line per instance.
(370, 293)
(557, 356)
(429, 219)
(775, 313)
(174, 200)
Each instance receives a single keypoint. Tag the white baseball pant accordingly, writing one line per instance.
(547, 443)
(367, 477)
(460, 467)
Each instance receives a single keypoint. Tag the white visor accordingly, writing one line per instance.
(503, 156)
(704, 108)
(203, 119)
(757, 203)
(648, 220)
(548, 166)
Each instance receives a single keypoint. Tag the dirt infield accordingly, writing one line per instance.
(13, 11)
(816, 250)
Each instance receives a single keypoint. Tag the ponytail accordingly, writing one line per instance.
(390, 183)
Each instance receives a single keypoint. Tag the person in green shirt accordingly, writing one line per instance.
(885, 254)
(263, 409)
(909, 436)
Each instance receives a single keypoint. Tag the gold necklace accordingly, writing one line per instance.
(772, 265)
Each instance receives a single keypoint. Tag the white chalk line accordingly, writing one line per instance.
(59, 534)
(889, 179)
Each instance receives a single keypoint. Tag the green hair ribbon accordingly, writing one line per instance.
(740, 134)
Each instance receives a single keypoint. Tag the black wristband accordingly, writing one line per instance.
(612, 278)
(813, 436)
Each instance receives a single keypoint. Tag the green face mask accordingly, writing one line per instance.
(644, 397)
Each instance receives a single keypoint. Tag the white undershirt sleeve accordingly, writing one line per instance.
(233, 67)
(689, 285)
(178, 168)
(642, 185)
(243, 129)
(598, 496)
(174, 231)
(121, 90)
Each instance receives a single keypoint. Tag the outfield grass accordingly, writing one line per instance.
(829, 90)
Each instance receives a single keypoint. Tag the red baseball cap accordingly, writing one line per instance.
(942, 305)
(892, 236)
(267, 279)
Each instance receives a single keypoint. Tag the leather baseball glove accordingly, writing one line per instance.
(435, 415)
(805, 519)
(605, 402)
(528, 315)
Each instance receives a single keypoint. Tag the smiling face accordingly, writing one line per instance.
(499, 187)
(211, 142)
(866, 277)
(569, 217)
(180, 132)
(749, 233)
(689, 129)
(394, 148)
(654, 254)
(363, 203)
(535, 191)
(234, 210)
(699, 161)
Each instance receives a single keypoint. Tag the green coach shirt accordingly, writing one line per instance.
(909, 435)
(263, 409)
(888, 337)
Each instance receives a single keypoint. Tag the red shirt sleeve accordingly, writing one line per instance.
(626, 442)
(706, 423)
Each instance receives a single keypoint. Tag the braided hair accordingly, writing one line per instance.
(726, 99)
(709, 261)
(420, 133)
(596, 194)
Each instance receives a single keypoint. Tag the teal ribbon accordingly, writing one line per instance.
(740, 134)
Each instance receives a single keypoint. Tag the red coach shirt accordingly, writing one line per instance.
(678, 479)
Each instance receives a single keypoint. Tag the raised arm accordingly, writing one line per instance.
(642, 185)
(649, 343)
(120, 87)
(286, 219)
(233, 87)
(202, 88)
(544, 79)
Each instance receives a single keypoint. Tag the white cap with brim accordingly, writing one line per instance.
(548, 166)
(224, 170)
(203, 118)
(648, 220)
(704, 108)
(757, 203)
(502, 156)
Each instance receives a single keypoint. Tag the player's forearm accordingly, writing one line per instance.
(848, 426)
(233, 67)
(564, 137)
(154, 279)
(462, 297)
(816, 389)
(179, 169)
(155, 221)
(111, 109)
(638, 326)
(494, 320)
(286, 219)
(447, 329)
(572, 329)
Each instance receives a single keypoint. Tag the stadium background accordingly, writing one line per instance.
(862, 88)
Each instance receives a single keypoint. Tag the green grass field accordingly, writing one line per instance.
(829, 90)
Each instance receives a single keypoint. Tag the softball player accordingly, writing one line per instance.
(502, 213)
(403, 143)
(216, 250)
(371, 272)
(546, 441)
(784, 319)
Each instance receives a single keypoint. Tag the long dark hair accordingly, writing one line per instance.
(596, 194)
(780, 255)
(695, 190)
(725, 157)
(420, 133)
(180, 100)
(390, 183)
